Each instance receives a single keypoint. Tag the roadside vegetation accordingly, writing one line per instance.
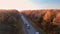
(10, 22)
(47, 20)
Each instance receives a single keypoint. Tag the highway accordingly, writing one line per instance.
(27, 27)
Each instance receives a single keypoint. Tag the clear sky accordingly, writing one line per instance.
(29, 4)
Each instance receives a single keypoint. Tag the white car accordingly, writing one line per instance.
(36, 32)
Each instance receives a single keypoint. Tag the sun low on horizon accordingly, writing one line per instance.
(29, 4)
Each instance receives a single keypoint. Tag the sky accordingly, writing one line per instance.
(29, 4)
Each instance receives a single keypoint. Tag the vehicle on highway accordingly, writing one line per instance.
(27, 26)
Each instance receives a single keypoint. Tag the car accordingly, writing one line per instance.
(28, 26)
(36, 32)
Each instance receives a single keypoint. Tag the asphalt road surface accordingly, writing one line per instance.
(28, 28)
